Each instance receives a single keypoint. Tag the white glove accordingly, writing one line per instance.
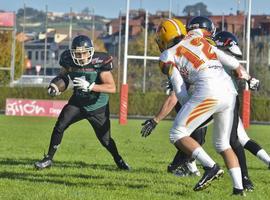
(53, 90)
(82, 84)
(168, 87)
(254, 84)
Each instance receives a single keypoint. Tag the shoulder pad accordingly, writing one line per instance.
(166, 56)
(211, 41)
(103, 61)
(166, 62)
(66, 59)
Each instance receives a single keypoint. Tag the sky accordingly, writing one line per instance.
(111, 8)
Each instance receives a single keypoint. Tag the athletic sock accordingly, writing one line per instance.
(200, 155)
(262, 155)
(236, 177)
(253, 147)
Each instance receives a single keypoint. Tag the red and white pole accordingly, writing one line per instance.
(246, 92)
(124, 88)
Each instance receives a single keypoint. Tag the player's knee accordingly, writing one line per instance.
(243, 140)
(222, 146)
(235, 143)
(177, 134)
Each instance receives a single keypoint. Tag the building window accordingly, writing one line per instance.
(37, 55)
(29, 55)
(56, 55)
(42, 55)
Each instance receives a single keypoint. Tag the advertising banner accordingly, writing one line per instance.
(30, 107)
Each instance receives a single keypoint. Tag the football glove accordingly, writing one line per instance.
(167, 86)
(83, 84)
(53, 90)
(253, 84)
(148, 126)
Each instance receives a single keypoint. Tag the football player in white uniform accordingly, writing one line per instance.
(200, 64)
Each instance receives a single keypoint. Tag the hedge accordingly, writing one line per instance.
(138, 103)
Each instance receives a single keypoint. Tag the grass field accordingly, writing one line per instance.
(84, 170)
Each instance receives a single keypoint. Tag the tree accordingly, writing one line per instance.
(86, 11)
(196, 10)
(99, 45)
(32, 14)
(136, 47)
(5, 58)
(154, 77)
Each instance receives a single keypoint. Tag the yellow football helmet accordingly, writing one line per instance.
(169, 33)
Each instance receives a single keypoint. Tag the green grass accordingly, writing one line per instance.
(84, 170)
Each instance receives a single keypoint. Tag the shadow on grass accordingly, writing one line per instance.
(80, 180)
(57, 164)
(73, 164)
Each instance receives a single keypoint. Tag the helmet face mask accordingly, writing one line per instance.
(82, 50)
(169, 33)
(228, 43)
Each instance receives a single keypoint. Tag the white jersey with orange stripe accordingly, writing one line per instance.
(200, 64)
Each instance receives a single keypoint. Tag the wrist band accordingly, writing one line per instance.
(91, 86)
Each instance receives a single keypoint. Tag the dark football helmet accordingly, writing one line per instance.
(82, 50)
(228, 42)
(201, 22)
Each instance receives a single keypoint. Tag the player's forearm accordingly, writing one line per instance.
(166, 108)
(242, 73)
(107, 88)
(226, 60)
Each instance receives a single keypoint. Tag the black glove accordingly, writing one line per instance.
(253, 84)
(148, 126)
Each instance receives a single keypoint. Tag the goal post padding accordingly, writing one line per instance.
(246, 108)
(123, 104)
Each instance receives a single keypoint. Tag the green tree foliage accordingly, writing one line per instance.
(99, 45)
(259, 66)
(136, 47)
(5, 57)
(86, 11)
(197, 9)
(32, 14)
(136, 67)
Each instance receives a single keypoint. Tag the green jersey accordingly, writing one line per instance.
(100, 62)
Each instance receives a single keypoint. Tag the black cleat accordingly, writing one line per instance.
(209, 175)
(183, 170)
(121, 164)
(46, 162)
(171, 168)
(247, 184)
(238, 192)
(180, 171)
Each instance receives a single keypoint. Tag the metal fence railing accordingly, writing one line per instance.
(32, 81)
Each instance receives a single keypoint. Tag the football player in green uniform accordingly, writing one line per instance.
(92, 80)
